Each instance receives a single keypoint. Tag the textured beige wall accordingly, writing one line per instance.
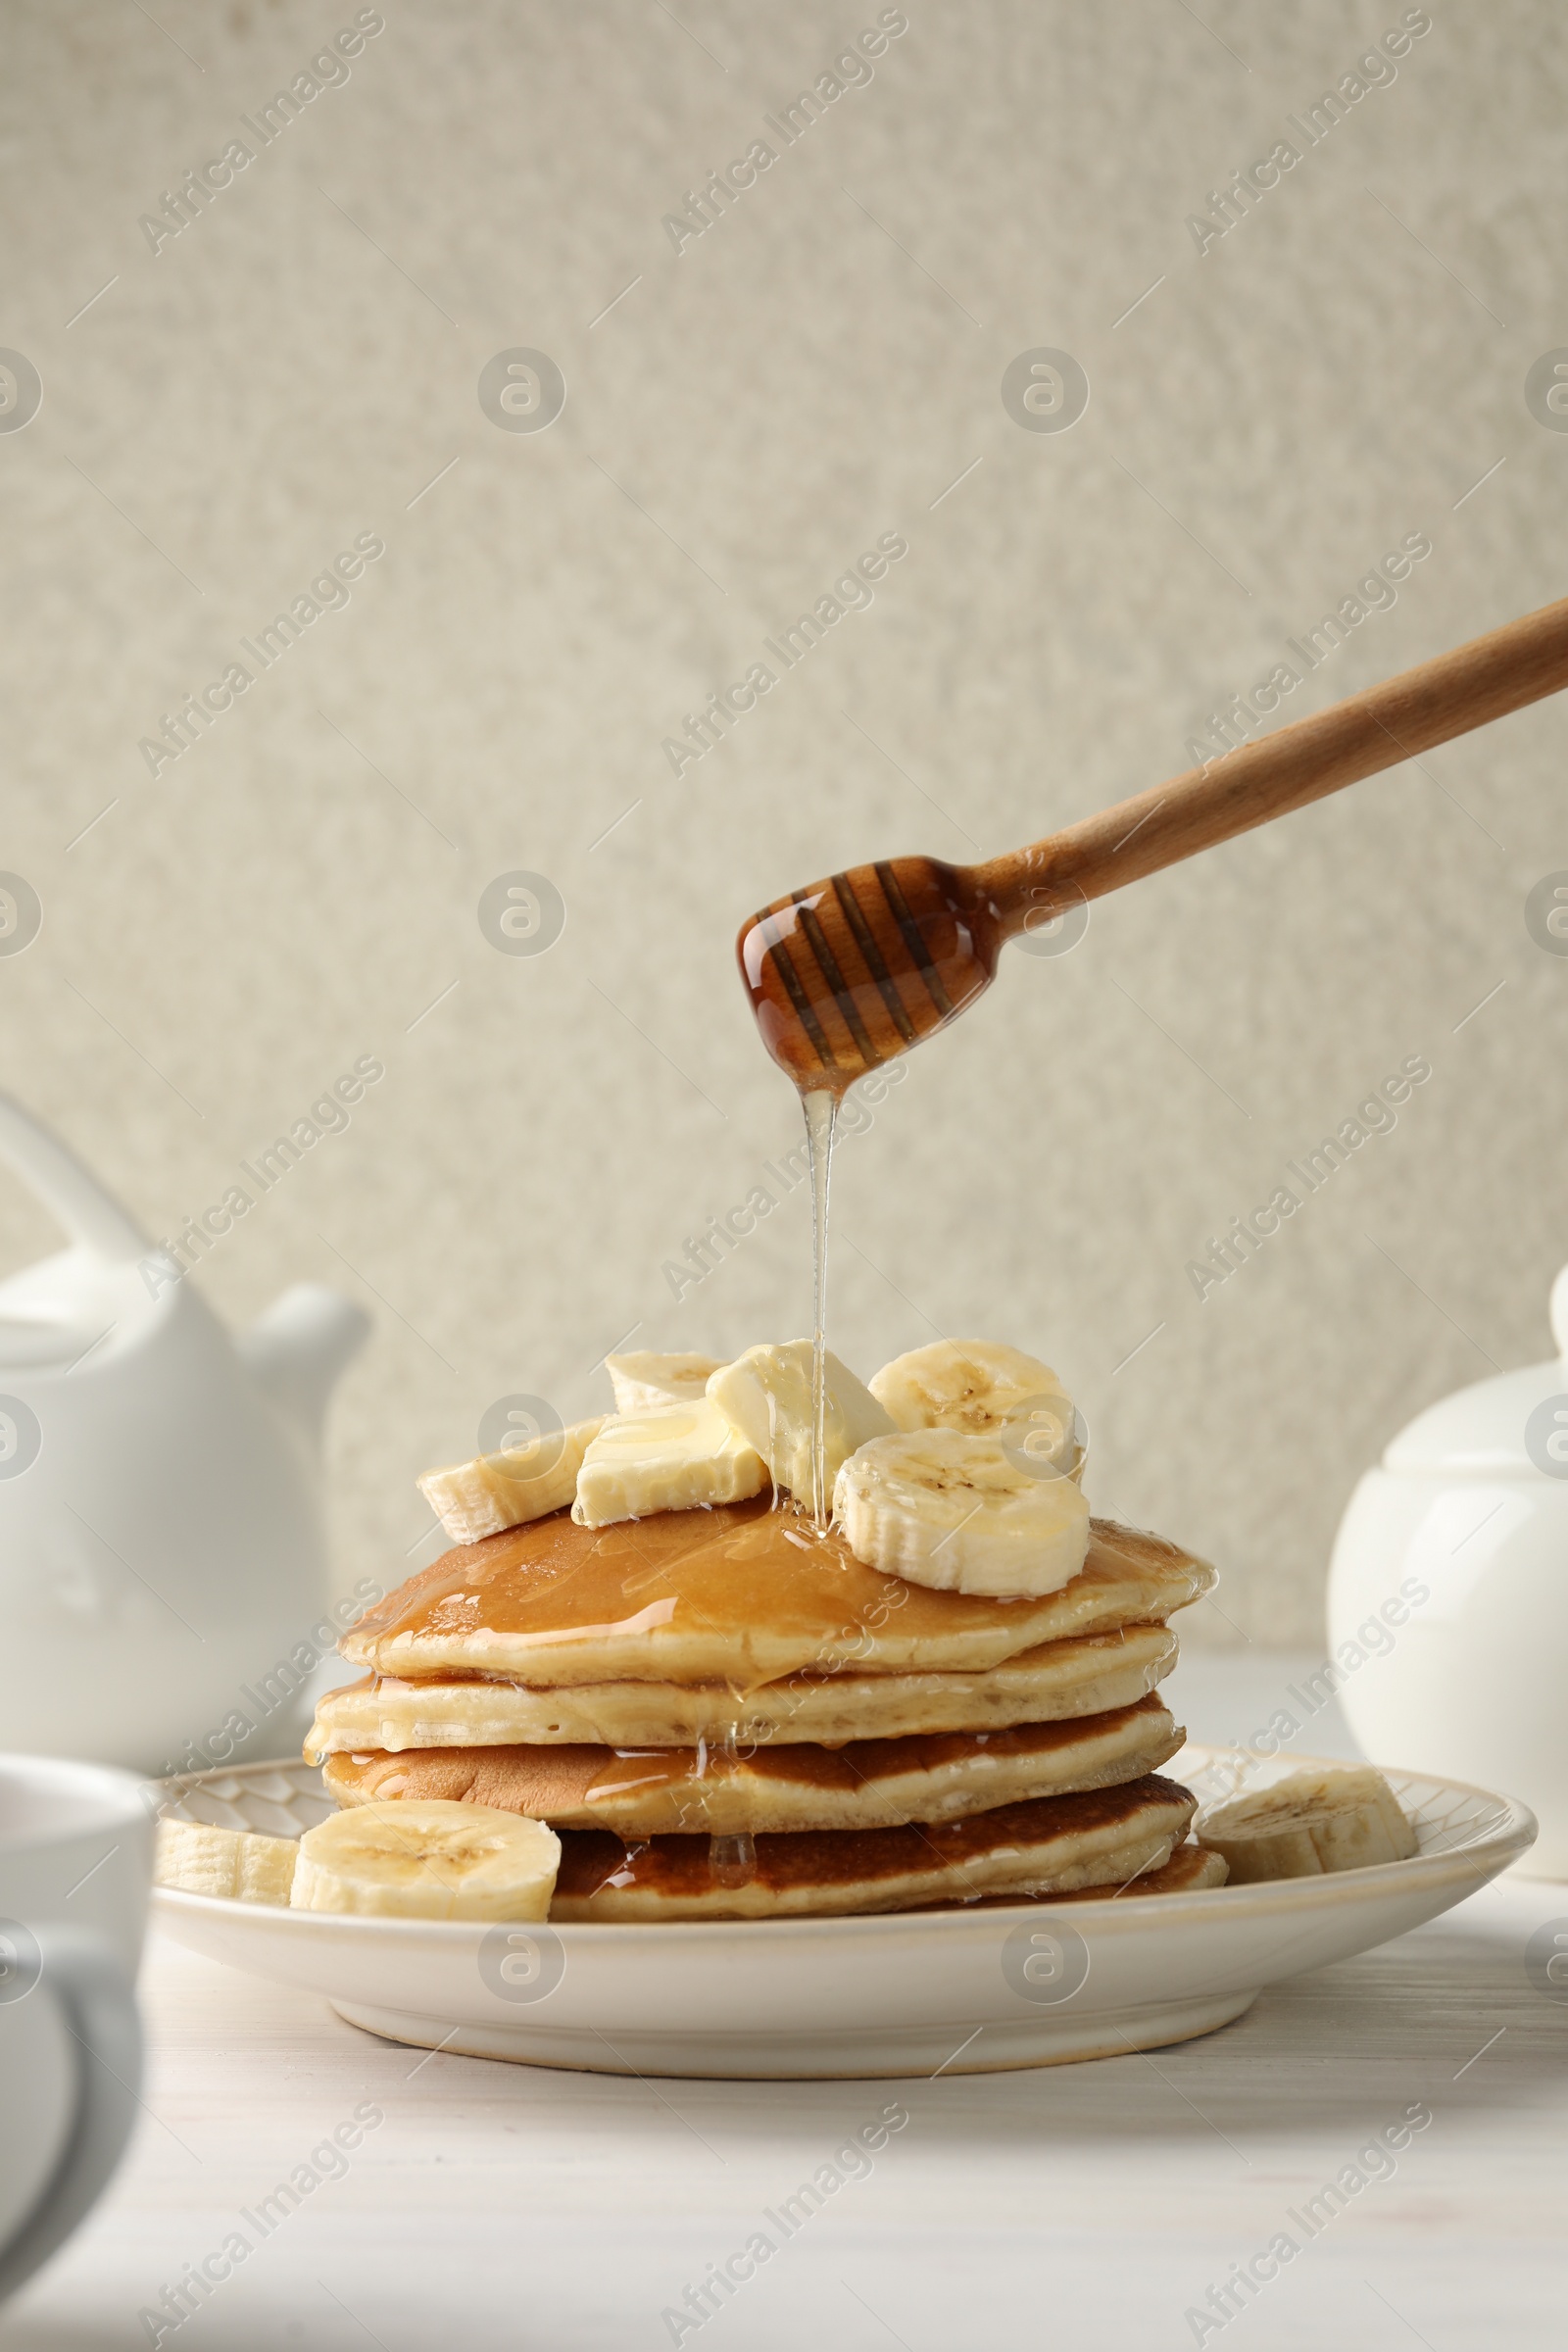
(811, 373)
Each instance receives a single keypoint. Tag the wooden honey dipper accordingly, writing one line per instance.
(853, 971)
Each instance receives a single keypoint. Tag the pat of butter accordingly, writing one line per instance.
(644, 1380)
(672, 1457)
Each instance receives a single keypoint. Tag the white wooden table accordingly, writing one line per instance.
(1076, 2206)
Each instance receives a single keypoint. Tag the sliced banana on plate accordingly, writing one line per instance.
(427, 1859)
(671, 1458)
(940, 1507)
(984, 1389)
(766, 1397)
(240, 1865)
(1310, 1823)
(485, 1498)
(643, 1379)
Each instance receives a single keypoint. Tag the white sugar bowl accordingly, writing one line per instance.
(1449, 1593)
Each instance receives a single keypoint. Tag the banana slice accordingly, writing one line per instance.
(673, 1459)
(643, 1380)
(485, 1498)
(983, 1388)
(428, 1859)
(766, 1397)
(1308, 1825)
(940, 1507)
(240, 1865)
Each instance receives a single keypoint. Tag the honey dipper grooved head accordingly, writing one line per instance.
(853, 971)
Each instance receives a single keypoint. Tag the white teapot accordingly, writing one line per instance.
(1449, 1593)
(162, 1549)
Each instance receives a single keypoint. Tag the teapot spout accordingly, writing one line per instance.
(296, 1349)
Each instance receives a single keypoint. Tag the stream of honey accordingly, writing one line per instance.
(821, 1118)
(732, 1860)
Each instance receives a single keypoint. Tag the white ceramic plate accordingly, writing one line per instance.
(961, 1991)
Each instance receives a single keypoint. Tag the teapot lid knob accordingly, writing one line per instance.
(1559, 1312)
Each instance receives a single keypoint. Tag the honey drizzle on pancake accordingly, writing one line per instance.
(724, 1600)
(587, 1580)
(731, 1860)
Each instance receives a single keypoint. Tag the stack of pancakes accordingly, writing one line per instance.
(724, 1713)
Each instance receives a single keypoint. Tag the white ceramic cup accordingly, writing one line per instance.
(75, 1864)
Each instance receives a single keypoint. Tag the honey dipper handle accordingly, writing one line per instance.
(1431, 704)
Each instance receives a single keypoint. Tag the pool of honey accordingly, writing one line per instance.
(734, 1568)
(732, 1571)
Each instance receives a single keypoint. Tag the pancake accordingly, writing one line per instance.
(866, 1785)
(1189, 1868)
(1100, 1838)
(742, 1594)
(1056, 1682)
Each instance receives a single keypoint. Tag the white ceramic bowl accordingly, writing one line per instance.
(960, 1990)
(1473, 1681)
